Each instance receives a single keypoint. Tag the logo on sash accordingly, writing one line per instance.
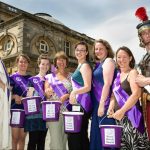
(18, 79)
(35, 80)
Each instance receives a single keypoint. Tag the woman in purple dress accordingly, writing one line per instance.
(102, 78)
(18, 82)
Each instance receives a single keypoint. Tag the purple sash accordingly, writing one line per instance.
(97, 86)
(38, 85)
(97, 90)
(83, 99)
(134, 115)
(59, 88)
(20, 81)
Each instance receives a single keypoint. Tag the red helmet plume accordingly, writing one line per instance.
(141, 14)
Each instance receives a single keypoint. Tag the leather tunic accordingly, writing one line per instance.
(145, 65)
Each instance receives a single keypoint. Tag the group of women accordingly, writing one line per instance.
(106, 91)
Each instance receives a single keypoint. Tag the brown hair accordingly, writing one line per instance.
(60, 54)
(107, 46)
(128, 51)
(43, 56)
(24, 56)
(86, 46)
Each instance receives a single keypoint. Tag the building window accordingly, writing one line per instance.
(44, 46)
(67, 48)
(8, 45)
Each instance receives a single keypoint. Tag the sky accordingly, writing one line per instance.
(112, 20)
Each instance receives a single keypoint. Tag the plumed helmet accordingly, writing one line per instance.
(145, 23)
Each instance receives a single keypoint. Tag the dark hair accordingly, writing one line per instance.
(43, 56)
(24, 56)
(128, 51)
(107, 46)
(86, 46)
(60, 54)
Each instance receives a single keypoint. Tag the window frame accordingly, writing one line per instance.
(67, 48)
(45, 45)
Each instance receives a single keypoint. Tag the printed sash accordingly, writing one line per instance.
(134, 115)
(59, 88)
(97, 88)
(39, 86)
(21, 82)
(83, 99)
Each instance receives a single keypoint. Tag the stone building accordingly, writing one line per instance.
(33, 34)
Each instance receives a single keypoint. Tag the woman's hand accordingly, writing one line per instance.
(49, 92)
(101, 109)
(64, 98)
(110, 112)
(17, 99)
(118, 115)
(30, 91)
(72, 98)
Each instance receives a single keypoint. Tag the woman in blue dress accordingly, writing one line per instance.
(102, 78)
(18, 82)
(34, 124)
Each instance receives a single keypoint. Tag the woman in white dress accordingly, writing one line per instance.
(4, 108)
